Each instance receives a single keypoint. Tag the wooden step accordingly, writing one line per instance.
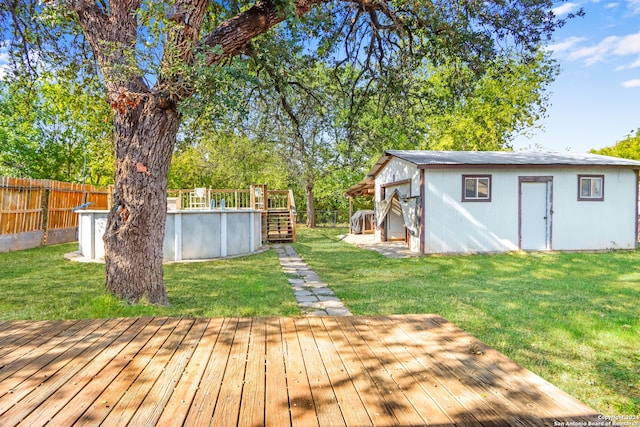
(278, 226)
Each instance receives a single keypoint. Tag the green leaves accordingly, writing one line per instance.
(221, 158)
(492, 108)
(50, 127)
(628, 147)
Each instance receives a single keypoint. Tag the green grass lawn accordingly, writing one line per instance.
(39, 284)
(572, 318)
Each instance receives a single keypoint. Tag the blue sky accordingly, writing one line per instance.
(595, 101)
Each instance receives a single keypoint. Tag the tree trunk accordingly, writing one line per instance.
(145, 134)
(311, 209)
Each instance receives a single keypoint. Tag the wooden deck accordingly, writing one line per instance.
(356, 371)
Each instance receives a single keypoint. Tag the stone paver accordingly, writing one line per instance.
(314, 297)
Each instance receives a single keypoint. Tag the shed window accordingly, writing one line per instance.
(476, 188)
(591, 187)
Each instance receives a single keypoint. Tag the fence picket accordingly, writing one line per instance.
(23, 203)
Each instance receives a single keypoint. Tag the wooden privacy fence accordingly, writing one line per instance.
(36, 212)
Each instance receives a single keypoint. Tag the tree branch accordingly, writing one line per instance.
(112, 37)
(233, 35)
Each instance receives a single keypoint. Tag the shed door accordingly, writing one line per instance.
(395, 221)
(535, 213)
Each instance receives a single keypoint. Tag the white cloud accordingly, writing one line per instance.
(565, 45)
(597, 53)
(634, 5)
(612, 46)
(567, 8)
(634, 64)
(628, 45)
(611, 5)
(631, 83)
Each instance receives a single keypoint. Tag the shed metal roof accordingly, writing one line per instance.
(444, 159)
(425, 159)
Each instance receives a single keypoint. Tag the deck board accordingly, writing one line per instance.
(204, 403)
(276, 378)
(103, 370)
(324, 398)
(88, 366)
(361, 380)
(19, 353)
(392, 401)
(401, 366)
(351, 406)
(159, 395)
(482, 369)
(396, 370)
(252, 406)
(40, 386)
(300, 400)
(188, 383)
(233, 381)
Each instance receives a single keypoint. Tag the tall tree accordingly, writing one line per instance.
(185, 39)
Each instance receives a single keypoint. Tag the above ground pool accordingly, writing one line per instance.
(189, 235)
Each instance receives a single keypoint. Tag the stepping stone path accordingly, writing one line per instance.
(313, 295)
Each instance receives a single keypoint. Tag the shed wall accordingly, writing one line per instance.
(462, 227)
(610, 224)
(398, 170)
(455, 226)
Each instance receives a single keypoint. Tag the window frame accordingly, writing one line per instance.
(477, 178)
(590, 177)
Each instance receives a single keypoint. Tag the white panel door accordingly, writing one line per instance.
(535, 215)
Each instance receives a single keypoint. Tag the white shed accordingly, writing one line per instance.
(464, 202)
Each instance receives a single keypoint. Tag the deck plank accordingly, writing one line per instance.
(547, 400)
(104, 369)
(89, 364)
(206, 397)
(188, 383)
(464, 357)
(324, 398)
(252, 405)
(158, 397)
(132, 399)
(353, 409)
(228, 405)
(349, 344)
(19, 331)
(376, 362)
(303, 413)
(276, 395)
(30, 393)
(465, 402)
(403, 369)
(37, 344)
(26, 375)
(388, 371)
(126, 375)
